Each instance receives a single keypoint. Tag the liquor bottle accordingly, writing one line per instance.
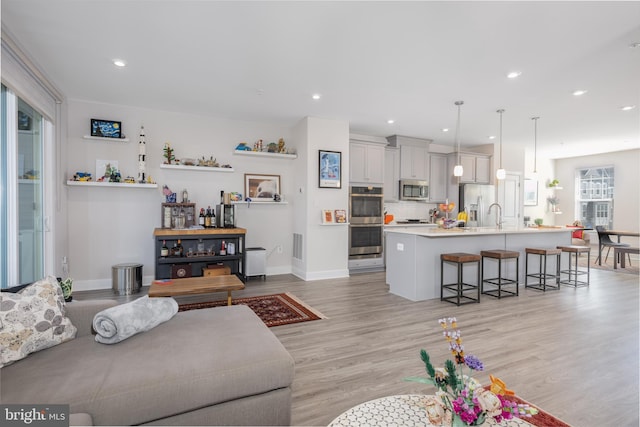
(213, 218)
(174, 249)
(164, 251)
(201, 217)
(207, 218)
(223, 248)
(180, 248)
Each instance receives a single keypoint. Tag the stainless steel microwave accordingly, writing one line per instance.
(411, 189)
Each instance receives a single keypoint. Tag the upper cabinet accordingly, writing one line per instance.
(438, 177)
(391, 173)
(476, 168)
(366, 162)
(414, 156)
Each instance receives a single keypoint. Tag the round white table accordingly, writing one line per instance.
(400, 411)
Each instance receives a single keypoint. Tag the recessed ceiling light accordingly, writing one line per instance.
(315, 96)
(514, 74)
(579, 92)
(445, 129)
(628, 107)
(391, 121)
(119, 63)
(491, 137)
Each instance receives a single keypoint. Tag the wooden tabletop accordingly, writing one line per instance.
(621, 233)
(194, 231)
(196, 285)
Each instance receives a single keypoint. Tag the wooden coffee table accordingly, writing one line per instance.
(196, 286)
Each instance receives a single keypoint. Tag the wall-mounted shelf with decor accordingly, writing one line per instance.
(109, 184)
(102, 138)
(265, 154)
(333, 223)
(555, 188)
(196, 168)
(259, 203)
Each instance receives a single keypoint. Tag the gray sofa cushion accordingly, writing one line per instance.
(197, 359)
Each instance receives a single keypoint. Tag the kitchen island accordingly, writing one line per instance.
(413, 254)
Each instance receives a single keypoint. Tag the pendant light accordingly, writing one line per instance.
(501, 173)
(458, 170)
(535, 145)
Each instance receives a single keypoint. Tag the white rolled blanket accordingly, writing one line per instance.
(122, 321)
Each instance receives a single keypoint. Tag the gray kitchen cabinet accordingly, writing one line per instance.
(391, 173)
(366, 163)
(476, 168)
(414, 162)
(438, 177)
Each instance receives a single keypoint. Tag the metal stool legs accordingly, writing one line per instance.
(542, 275)
(459, 288)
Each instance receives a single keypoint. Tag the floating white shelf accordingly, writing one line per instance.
(555, 188)
(102, 138)
(260, 203)
(265, 154)
(109, 184)
(334, 223)
(195, 168)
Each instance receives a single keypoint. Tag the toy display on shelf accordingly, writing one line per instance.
(170, 159)
(261, 147)
(142, 154)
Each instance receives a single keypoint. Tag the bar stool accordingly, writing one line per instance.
(500, 281)
(459, 288)
(573, 273)
(542, 274)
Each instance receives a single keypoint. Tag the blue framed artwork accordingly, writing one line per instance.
(330, 169)
(106, 128)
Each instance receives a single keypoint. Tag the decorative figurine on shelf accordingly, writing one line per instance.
(142, 154)
(281, 148)
(242, 147)
(272, 147)
(168, 153)
(257, 146)
(82, 176)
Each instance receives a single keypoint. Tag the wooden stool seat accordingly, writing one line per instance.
(459, 288)
(500, 254)
(542, 275)
(460, 257)
(573, 273)
(500, 282)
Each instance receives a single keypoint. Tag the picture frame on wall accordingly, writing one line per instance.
(530, 192)
(262, 188)
(330, 169)
(327, 216)
(106, 128)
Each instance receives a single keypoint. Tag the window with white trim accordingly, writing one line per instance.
(595, 196)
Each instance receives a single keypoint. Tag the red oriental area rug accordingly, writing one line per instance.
(274, 310)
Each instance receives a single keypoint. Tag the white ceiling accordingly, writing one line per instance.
(370, 61)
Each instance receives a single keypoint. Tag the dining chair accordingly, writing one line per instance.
(605, 241)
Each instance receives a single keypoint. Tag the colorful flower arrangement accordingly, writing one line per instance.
(460, 399)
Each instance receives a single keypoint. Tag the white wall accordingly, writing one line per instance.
(325, 247)
(108, 226)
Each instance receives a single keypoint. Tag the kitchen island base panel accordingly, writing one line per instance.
(413, 255)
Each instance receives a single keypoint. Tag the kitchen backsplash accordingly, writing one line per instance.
(408, 210)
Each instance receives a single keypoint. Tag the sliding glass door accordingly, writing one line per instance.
(22, 250)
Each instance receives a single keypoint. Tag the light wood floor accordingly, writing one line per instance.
(573, 352)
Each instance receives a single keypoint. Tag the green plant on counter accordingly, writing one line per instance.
(538, 221)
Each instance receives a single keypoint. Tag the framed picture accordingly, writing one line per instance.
(106, 128)
(261, 188)
(330, 175)
(327, 216)
(530, 192)
(341, 216)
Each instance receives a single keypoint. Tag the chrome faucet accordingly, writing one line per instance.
(499, 217)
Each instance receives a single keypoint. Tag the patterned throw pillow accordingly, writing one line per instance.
(32, 320)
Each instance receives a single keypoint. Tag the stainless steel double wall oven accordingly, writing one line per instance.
(366, 211)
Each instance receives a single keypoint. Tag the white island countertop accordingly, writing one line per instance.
(413, 254)
(431, 231)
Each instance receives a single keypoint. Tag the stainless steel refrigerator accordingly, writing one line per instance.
(476, 199)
